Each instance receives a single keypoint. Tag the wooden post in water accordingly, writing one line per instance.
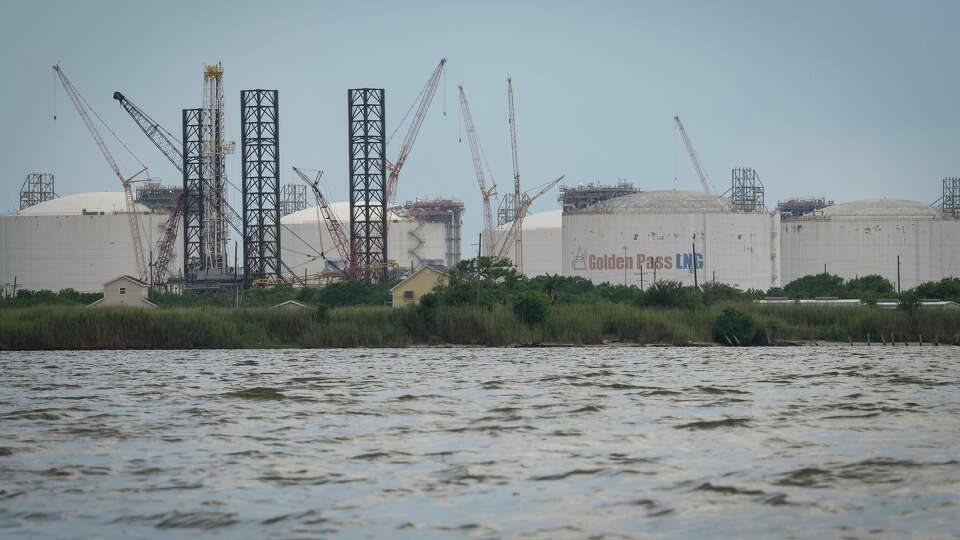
(868, 339)
(921, 340)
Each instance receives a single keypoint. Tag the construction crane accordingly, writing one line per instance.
(131, 208)
(704, 181)
(513, 235)
(340, 239)
(489, 241)
(426, 97)
(512, 119)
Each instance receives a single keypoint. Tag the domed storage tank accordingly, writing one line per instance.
(866, 237)
(667, 235)
(542, 243)
(78, 242)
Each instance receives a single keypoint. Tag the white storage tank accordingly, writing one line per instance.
(78, 242)
(865, 237)
(542, 243)
(304, 236)
(667, 235)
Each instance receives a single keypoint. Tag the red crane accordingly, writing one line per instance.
(340, 239)
(426, 97)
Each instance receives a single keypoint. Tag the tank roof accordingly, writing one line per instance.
(868, 208)
(340, 209)
(107, 202)
(552, 219)
(663, 202)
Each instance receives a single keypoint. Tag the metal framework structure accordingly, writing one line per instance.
(489, 245)
(444, 211)
(505, 209)
(194, 192)
(368, 181)
(746, 190)
(951, 197)
(260, 147)
(801, 206)
(293, 198)
(583, 196)
(214, 148)
(38, 187)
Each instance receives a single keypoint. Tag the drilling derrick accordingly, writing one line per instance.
(213, 148)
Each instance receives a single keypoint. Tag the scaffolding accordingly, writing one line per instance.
(368, 181)
(795, 207)
(260, 149)
(586, 195)
(159, 198)
(746, 190)
(444, 211)
(214, 148)
(951, 197)
(38, 187)
(293, 198)
(194, 194)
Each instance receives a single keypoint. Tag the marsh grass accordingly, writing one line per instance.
(74, 327)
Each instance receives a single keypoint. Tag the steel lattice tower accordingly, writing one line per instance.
(194, 253)
(260, 145)
(292, 199)
(951, 197)
(38, 187)
(746, 190)
(368, 181)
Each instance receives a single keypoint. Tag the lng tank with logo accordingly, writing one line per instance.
(679, 261)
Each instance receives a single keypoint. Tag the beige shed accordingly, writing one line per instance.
(419, 283)
(125, 291)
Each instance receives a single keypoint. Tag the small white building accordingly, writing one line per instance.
(125, 291)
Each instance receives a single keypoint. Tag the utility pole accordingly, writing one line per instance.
(898, 275)
(695, 285)
(624, 266)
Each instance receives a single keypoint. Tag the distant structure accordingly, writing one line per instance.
(746, 191)
(38, 187)
(443, 211)
(293, 198)
(505, 209)
(800, 206)
(260, 148)
(366, 133)
(159, 198)
(583, 196)
(950, 202)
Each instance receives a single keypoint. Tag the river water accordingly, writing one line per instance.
(519, 443)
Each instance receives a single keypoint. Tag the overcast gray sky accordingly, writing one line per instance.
(850, 100)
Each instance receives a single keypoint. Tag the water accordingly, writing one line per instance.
(522, 443)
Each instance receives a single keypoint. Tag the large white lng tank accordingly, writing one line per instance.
(865, 237)
(303, 236)
(669, 233)
(542, 243)
(77, 241)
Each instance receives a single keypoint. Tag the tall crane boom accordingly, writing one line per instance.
(333, 226)
(512, 119)
(163, 139)
(693, 156)
(79, 103)
(489, 242)
(526, 200)
(427, 97)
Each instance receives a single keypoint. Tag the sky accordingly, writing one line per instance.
(849, 100)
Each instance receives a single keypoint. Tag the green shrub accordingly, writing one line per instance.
(531, 307)
(734, 325)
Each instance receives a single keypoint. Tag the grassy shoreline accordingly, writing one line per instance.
(49, 327)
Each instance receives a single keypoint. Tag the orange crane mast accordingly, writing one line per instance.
(426, 98)
(131, 212)
(488, 240)
(334, 226)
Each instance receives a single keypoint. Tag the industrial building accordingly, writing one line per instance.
(542, 242)
(76, 241)
(684, 236)
(904, 241)
(412, 241)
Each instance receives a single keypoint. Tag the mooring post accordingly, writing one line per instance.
(868, 339)
(921, 341)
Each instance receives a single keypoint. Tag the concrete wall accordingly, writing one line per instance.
(542, 250)
(929, 250)
(76, 251)
(406, 241)
(741, 250)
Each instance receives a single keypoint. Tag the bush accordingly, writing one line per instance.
(734, 325)
(531, 307)
(321, 313)
(668, 294)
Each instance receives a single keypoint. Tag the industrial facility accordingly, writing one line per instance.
(684, 236)
(907, 242)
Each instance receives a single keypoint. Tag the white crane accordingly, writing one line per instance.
(704, 180)
(79, 103)
(476, 152)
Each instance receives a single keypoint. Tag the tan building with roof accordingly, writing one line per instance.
(419, 283)
(125, 291)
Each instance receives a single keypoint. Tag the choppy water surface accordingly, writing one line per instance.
(527, 443)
